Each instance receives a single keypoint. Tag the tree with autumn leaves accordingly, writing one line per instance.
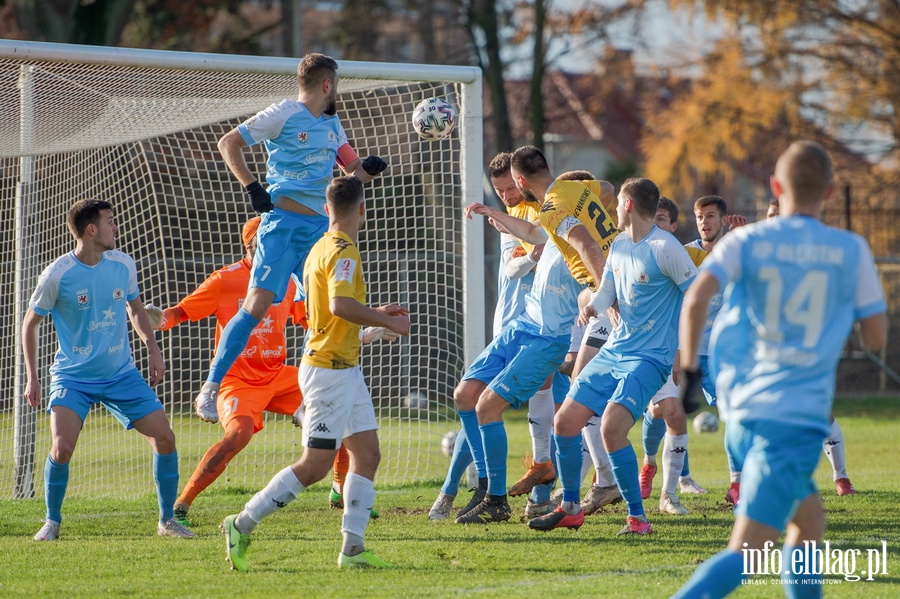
(822, 69)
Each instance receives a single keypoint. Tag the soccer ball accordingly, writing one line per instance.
(434, 118)
(706, 422)
(448, 443)
(416, 400)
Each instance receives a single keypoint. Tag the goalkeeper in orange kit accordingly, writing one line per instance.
(258, 381)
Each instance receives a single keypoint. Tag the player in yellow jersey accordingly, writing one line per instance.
(338, 405)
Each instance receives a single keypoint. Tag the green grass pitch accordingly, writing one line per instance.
(108, 547)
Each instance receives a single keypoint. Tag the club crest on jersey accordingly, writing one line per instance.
(118, 295)
(84, 300)
(643, 278)
(303, 137)
(332, 137)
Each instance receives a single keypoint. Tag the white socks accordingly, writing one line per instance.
(833, 446)
(540, 424)
(359, 498)
(594, 442)
(281, 490)
(674, 450)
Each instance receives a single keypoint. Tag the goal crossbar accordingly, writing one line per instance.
(140, 127)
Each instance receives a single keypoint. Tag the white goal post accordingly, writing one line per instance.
(139, 128)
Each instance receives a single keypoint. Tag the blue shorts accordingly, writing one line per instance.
(517, 363)
(777, 464)
(560, 387)
(283, 243)
(626, 380)
(128, 397)
(708, 381)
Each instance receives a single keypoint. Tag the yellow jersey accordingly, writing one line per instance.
(333, 269)
(568, 204)
(530, 211)
(698, 255)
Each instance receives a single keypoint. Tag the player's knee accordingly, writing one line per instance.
(489, 409)
(463, 398)
(164, 442)
(62, 450)
(239, 432)
(562, 425)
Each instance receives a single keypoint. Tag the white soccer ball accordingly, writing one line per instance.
(416, 400)
(706, 422)
(434, 118)
(448, 443)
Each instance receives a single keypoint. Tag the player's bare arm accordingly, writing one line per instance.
(141, 323)
(693, 318)
(231, 146)
(521, 229)
(581, 241)
(29, 348)
(391, 316)
(873, 331)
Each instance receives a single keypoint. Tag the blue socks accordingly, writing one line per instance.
(165, 474)
(462, 457)
(56, 480)
(716, 577)
(232, 343)
(625, 471)
(568, 456)
(473, 434)
(496, 450)
(652, 432)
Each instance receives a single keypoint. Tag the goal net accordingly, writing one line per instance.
(140, 128)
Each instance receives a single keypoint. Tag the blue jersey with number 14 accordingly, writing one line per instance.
(793, 289)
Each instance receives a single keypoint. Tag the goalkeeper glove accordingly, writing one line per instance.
(690, 388)
(259, 197)
(373, 165)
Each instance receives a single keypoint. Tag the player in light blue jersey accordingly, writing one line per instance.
(646, 273)
(512, 368)
(793, 289)
(303, 139)
(91, 293)
(515, 279)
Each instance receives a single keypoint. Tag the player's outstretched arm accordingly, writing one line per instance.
(391, 316)
(29, 348)
(141, 324)
(527, 231)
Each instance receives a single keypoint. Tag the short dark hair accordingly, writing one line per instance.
(315, 68)
(576, 176)
(644, 193)
(716, 201)
(805, 171)
(344, 194)
(499, 165)
(84, 213)
(670, 207)
(529, 161)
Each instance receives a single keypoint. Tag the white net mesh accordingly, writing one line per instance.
(146, 140)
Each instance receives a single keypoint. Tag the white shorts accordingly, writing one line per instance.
(597, 331)
(669, 389)
(337, 405)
